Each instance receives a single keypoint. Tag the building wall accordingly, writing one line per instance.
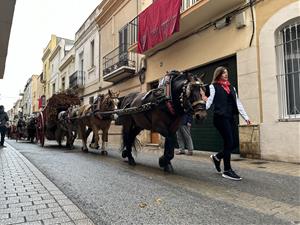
(35, 92)
(279, 139)
(46, 65)
(109, 31)
(67, 68)
(87, 34)
(208, 46)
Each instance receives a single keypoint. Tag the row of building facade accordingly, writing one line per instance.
(257, 40)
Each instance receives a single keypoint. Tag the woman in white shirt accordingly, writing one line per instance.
(226, 104)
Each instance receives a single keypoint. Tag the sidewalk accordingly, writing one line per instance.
(27, 197)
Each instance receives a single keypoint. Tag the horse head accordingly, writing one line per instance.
(190, 87)
(106, 102)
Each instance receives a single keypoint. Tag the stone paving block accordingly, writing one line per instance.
(61, 220)
(64, 202)
(23, 213)
(49, 210)
(31, 223)
(60, 197)
(39, 217)
(4, 216)
(53, 205)
(59, 214)
(34, 207)
(10, 210)
(46, 201)
(69, 223)
(3, 206)
(84, 222)
(13, 220)
(29, 193)
(77, 215)
(21, 204)
(71, 208)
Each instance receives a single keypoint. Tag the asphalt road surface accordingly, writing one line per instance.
(110, 191)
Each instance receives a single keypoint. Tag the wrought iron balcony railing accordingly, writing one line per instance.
(118, 58)
(76, 79)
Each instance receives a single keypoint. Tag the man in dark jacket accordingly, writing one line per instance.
(3, 121)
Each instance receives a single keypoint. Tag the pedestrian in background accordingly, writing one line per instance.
(3, 122)
(226, 104)
(184, 137)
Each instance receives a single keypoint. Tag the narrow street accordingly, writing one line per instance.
(109, 191)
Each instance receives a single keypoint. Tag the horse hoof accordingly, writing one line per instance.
(124, 154)
(84, 149)
(131, 162)
(103, 152)
(169, 168)
(162, 162)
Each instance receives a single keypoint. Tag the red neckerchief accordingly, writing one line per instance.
(225, 85)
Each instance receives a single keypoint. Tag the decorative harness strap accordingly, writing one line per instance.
(168, 87)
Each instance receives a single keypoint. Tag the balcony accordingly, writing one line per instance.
(76, 80)
(194, 14)
(118, 64)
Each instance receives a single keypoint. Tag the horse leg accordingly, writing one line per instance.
(104, 141)
(96, 135)
(165, 160)
(83, 136)
(87, 133)
(128, 139)
(70, 140)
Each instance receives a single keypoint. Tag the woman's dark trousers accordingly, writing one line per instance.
(2, 132)
(226, 126)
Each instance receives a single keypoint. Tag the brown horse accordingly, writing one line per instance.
(90, 116)
(182, 95)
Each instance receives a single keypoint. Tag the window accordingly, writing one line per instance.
(63, 84)
(92, 53)
(91, 100)
(53, 88)
(288, 78)
(123, 52)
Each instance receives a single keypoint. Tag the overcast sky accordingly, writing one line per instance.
(33, 23)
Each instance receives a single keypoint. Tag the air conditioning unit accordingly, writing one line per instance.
(240, 20)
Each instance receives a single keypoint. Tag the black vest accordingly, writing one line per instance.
(225, 104)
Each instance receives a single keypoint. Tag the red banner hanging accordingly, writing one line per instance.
(158, 22)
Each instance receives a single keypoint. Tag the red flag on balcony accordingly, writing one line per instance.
(158, 22)
(40, 102)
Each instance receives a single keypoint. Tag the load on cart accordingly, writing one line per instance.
(54, 121)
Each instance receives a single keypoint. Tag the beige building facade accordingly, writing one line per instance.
(248, 37)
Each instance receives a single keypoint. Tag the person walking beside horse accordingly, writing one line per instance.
(184, 137)
(3, 121)
(226, 104)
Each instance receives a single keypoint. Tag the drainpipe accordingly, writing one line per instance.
(253, 22)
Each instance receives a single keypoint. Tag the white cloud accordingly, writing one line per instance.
(33, 23)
